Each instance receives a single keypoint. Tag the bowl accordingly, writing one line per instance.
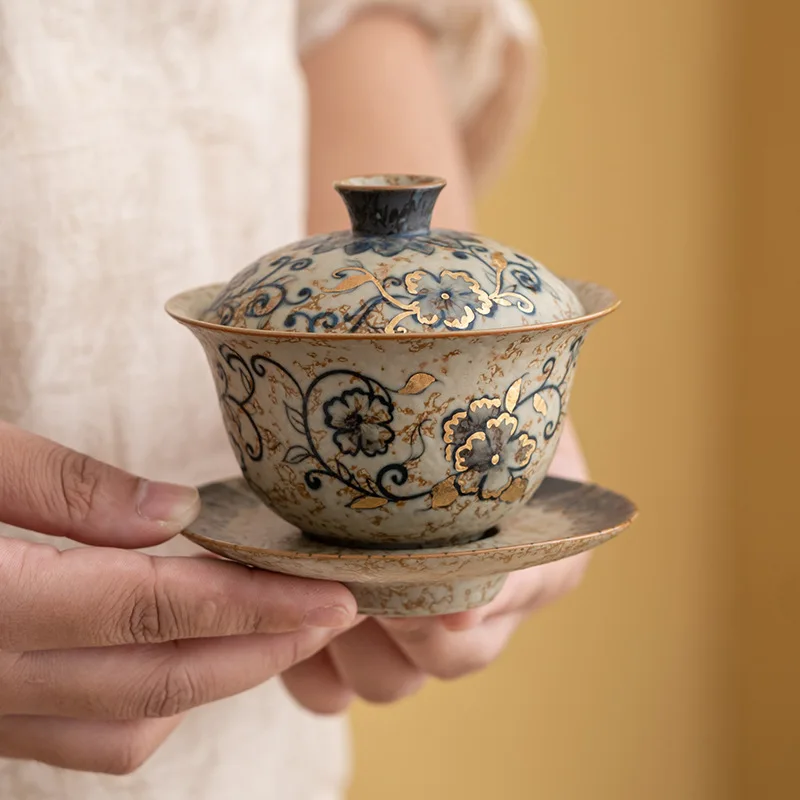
(393, 386)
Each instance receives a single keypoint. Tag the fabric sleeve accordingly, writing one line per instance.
(490, 53)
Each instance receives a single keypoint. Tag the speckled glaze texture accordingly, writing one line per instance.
(563, 519)
(392, 274)
(393, 441)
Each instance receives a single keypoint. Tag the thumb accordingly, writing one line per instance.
(51, 489)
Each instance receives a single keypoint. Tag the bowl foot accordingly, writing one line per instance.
(425, 599)
(382, 545)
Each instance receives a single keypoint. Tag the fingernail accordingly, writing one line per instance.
(328, 617)
(168, 503)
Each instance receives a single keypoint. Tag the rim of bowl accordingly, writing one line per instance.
(610, 303)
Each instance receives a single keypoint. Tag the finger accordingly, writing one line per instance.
(518, 594)
(115, 748)
(531, 589)
(135, 682)
(101, 596)
(373, 666)
(447, 654)
(523, 592)
(51, 489)
(458, 644)
(316, 684)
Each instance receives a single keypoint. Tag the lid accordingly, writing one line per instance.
(391, 273)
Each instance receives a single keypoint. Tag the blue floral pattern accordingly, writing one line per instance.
(451, 281)
(361, 422)
(391, 273)
(488, 446)
(449, 298)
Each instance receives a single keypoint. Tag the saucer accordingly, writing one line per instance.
(562, 519)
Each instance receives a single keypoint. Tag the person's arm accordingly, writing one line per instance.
(378, 104)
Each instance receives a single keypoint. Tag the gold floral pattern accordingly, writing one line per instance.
(487, 450)
(391, 273)
(487, 460)
(486, 453)
(357, 433)
(452, 299)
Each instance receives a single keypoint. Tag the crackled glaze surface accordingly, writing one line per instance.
(392, 274)
(396, 441)
(564, 518)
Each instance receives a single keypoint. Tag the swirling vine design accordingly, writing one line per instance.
(370, 492)
(434, 294)
(484, 442)
(452, 299)
(244, 434)
(537, 395)
(270, 292)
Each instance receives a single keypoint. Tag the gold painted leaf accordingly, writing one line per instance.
(539, 404)
(352, 282)
(417, 383)
(369, 502)
(444, 493)
(512, 395)
(515, 492)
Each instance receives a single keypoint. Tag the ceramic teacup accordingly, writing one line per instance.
(394, 440)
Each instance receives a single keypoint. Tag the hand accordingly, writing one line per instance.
(384, 660)
(102, 650)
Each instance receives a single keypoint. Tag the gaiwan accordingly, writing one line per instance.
(394, 385)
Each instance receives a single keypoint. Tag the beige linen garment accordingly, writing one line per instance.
(146, 147)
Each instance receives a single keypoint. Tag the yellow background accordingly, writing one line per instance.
(664, 164)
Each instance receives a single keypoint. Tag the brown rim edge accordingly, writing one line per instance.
(192, 322)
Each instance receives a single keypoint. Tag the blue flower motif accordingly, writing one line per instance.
(450, 298)
(361, 422)
(487, 449)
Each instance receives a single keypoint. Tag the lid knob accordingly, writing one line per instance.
(390, 205)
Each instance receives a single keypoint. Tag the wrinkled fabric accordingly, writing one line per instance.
(147, 147)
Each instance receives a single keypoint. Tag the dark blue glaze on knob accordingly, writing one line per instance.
(389, 205)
